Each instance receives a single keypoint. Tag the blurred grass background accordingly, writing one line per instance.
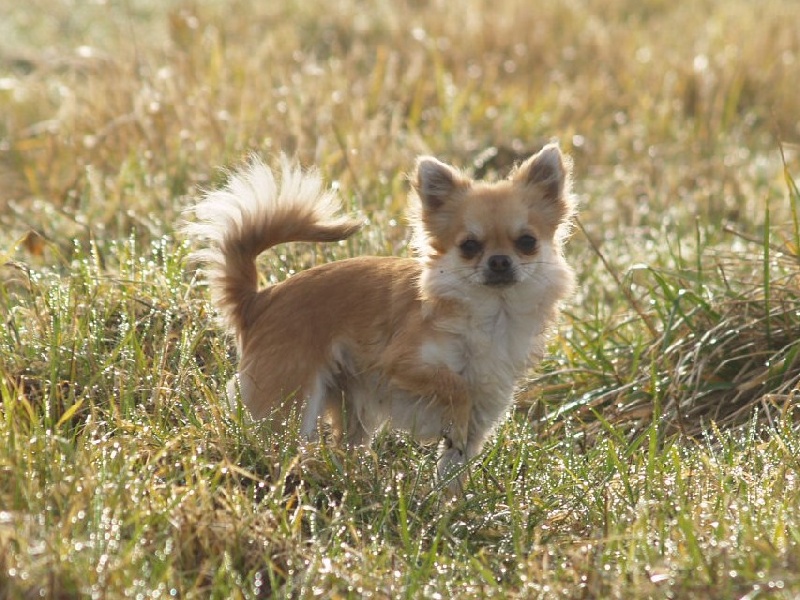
(654, 454)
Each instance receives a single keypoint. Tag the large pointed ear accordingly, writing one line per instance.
(436, 182)
(547, 170)
(439, 189)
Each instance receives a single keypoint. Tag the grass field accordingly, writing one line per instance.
(654, 454)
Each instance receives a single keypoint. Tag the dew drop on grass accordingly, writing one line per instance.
(700, 63)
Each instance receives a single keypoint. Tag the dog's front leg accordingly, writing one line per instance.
(450, 392)
(454, 449)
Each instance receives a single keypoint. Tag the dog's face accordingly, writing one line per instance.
(495, 235)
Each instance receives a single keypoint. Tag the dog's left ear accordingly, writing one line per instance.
(549, 173)
(547, 170)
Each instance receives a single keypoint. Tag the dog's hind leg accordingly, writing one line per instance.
(316, 405)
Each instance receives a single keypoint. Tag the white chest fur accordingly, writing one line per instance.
(489, 345)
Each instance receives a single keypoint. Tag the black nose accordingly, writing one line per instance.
(499, 263)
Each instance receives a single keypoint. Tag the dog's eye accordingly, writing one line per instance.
(470, 248)
(526, 244)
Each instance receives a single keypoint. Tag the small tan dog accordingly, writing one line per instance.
(432, 345)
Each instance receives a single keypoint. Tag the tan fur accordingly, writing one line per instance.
(431, 344)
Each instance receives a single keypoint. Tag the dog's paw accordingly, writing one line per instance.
(450, 469)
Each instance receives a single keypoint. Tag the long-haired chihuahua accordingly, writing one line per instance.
(432, 344)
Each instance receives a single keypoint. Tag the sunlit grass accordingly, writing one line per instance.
(654, 453)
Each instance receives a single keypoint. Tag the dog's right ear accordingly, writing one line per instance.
(436, 182)
(438, 188)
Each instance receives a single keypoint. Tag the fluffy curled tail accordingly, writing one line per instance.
(254, 212)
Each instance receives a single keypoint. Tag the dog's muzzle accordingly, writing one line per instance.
(499, 271)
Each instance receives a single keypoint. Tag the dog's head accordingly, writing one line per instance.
(494, 235)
